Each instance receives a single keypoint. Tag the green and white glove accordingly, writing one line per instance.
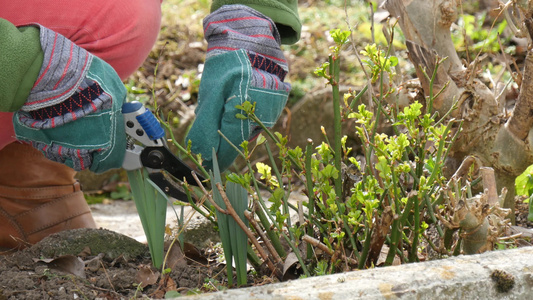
(73, 112)
(244, 63)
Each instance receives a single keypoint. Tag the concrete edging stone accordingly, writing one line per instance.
(461, 277)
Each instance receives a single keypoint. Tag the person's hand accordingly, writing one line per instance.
(73, 113)
(244, 63)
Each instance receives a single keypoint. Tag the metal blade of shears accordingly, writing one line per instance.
(160, 158)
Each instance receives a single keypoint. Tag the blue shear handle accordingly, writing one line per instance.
(146, 119)
(130, 107)
(150, 125)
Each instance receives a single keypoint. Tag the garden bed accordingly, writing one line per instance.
(101, 264)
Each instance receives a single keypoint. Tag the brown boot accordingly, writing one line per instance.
(38, 197)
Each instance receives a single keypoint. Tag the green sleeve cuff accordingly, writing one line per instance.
(21, 61)
(283, 12)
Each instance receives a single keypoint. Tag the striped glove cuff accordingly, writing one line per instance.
(63, 93)
(234, 27)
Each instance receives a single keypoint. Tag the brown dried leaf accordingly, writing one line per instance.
(175, 258)
(290, 267)
(146, 276)
(193, 253)
(383, 257)
(69, 264)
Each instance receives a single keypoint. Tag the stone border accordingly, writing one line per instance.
(462, 277)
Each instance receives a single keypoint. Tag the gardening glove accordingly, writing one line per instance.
(244, 63)
(73, 111)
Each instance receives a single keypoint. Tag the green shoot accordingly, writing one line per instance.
(151, 203)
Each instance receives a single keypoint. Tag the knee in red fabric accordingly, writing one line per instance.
(7, 134)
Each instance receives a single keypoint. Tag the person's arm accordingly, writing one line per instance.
(21, 58)
(67, 102)
(284, 13)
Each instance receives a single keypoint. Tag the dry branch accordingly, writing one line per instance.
(264, 237)
(316, 243)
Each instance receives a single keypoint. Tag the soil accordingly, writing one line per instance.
(102, 264)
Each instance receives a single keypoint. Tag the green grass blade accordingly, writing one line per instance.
(238, 198)
(151, 203)
(135, 178)
(159, 220)
(225, 234)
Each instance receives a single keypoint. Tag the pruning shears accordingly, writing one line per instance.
(147, 148)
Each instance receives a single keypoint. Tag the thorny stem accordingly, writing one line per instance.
(413, 255)
(396, 224)
(366, 247)
(368, 154)
(325, 136)
(232, 145)
(352, 39)
(266, 224)
(263, 204)
(393, 245)
(181, 149)
(398, 251)
(358, 96)
(430, 243)
(253, 259)
(166, 256)
(280, 181)
(334, 65)
(431, 82)
(381, 86)
(310, 192)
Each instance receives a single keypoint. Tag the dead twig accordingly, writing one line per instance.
(107, 276)
(316, 243)
(268, 244)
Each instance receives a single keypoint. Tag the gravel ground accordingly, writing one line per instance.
(122, 217)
